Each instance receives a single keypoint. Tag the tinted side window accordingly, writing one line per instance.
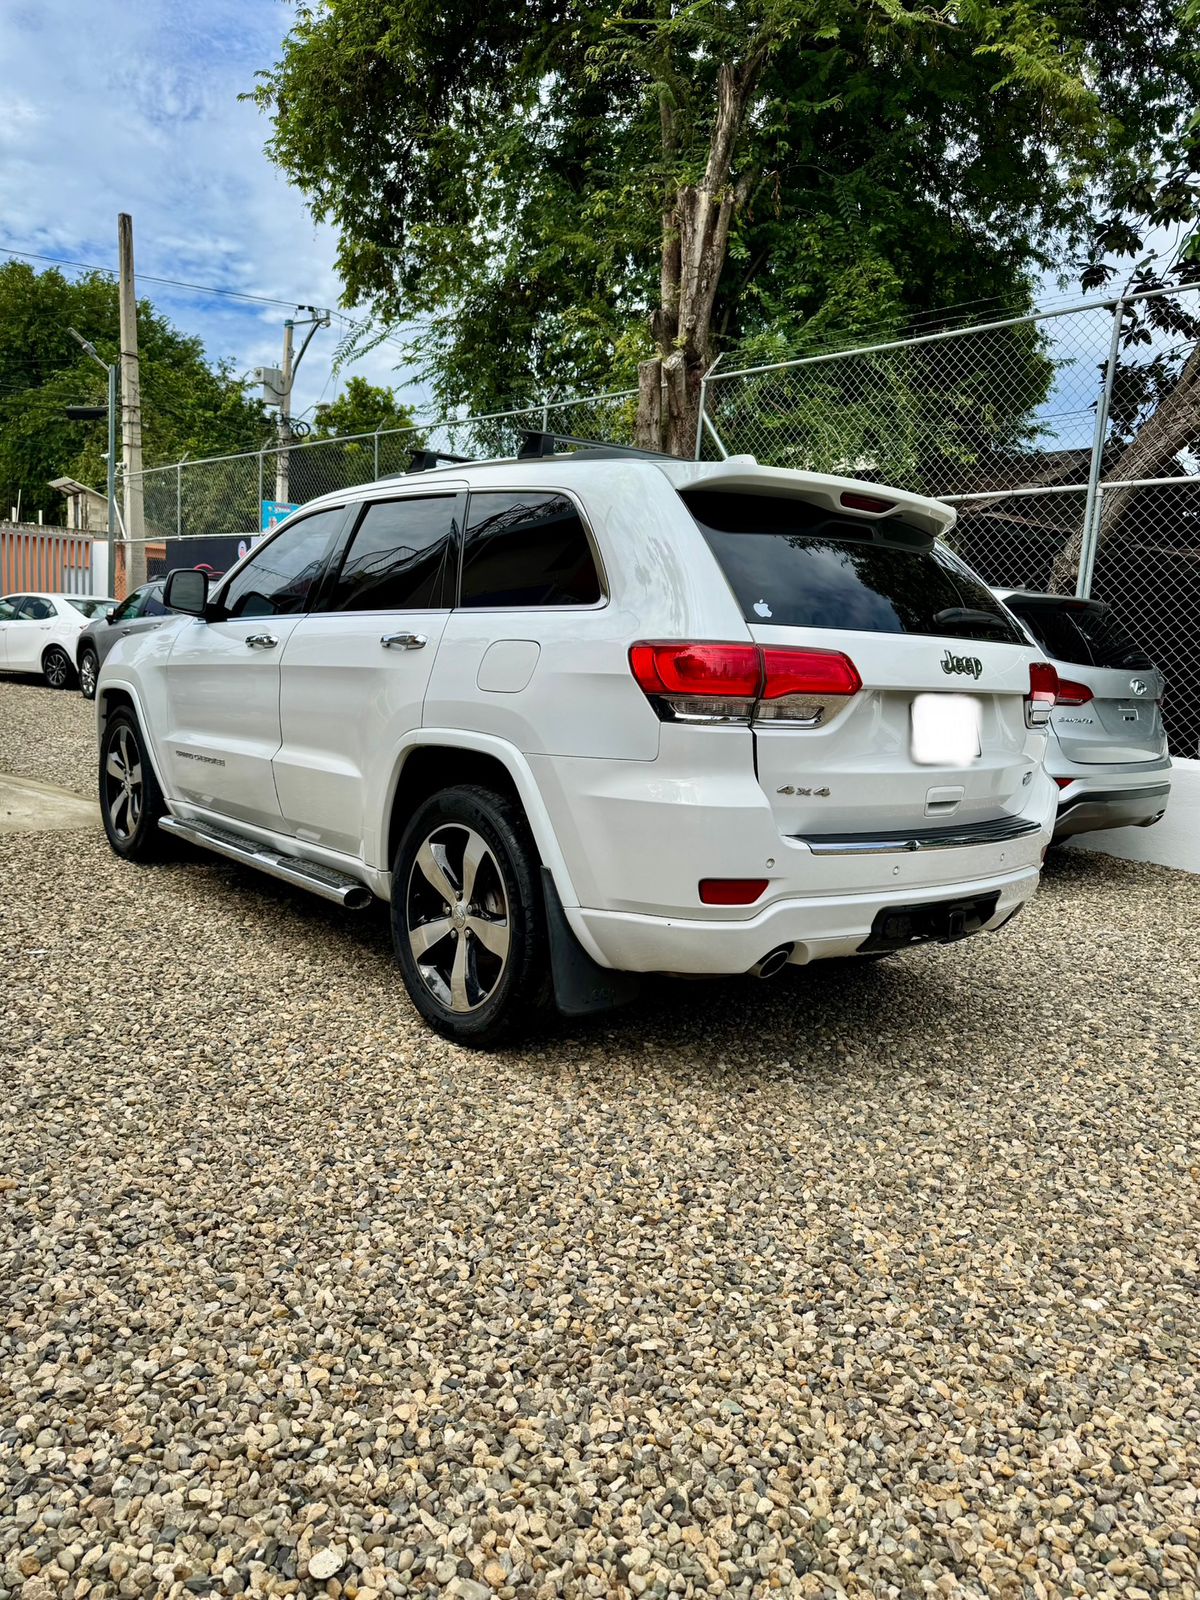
(7, 610)
(527, 550)
(797, 565)
(282, 574)
(154, 602)
(401, 558)
(35, 609)
(131, 606)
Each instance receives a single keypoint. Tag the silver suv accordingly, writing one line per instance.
(1108, 748)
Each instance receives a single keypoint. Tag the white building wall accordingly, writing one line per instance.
(1173, 842)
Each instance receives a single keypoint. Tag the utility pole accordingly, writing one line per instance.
(110, 368)
(285, 415)
(318, 319)
(131, 413)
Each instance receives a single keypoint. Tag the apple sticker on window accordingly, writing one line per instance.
(761, 608)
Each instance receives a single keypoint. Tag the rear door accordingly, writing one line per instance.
(30, 632)
(1110, 707)
(8, 611)
(936, 735)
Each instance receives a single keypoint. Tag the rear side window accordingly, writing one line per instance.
(527, 550)
(797, 565)
(1080, 632)
(154, 603)
(401, 558)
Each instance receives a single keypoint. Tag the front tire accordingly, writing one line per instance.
(89, 671)
(57, 668)
(468, 922)
(131, 801)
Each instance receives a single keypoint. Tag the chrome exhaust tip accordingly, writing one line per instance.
(774, 961)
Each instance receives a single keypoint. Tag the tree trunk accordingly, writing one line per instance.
(1172, 427)
(695, 238)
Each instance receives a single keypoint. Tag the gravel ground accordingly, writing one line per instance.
(879, 1283)
(48, 734)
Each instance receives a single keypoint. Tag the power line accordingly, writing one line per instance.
(143, 277)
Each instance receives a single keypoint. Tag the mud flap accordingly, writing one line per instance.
(581, 985)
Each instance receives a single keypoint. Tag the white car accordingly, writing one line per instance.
(584, 716)
(38, 631)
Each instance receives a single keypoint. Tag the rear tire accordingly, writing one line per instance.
(468, 923)
(89, 671)
(57, 668)
(131, 801)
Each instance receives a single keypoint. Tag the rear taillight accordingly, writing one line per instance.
(699, 682)
(706, 682)
(805, 686)
(1071, 693)
(1043, 691)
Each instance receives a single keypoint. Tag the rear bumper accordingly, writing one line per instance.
(815, 928)
(1084, 807)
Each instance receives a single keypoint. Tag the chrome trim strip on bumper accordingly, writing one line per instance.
(1000, 831)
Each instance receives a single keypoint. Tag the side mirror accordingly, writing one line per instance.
(110, 613)
(186, 590)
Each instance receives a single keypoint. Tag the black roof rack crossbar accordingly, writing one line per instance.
(429, 460)
(551, 444)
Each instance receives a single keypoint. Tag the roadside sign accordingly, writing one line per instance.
(274, 511)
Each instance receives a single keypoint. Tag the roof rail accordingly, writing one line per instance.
(534, 444)
(430, 460)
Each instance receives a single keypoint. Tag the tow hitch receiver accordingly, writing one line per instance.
(896, 927)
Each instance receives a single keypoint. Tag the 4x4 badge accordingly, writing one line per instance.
(968, 666)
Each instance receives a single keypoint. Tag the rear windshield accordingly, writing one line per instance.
(91, 605)
(796, 565)
(1080, 631)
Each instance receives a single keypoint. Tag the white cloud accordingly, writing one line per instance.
(138, 111)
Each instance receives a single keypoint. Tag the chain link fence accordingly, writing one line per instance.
(1068, 441)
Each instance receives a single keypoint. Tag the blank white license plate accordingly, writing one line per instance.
(945, 730)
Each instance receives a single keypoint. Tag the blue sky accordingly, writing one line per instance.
(132, 105)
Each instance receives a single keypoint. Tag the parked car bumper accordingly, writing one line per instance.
(1092, 808)
(1110, 797)
(809, 929)
(636, 847)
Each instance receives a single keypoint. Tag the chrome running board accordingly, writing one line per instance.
(330, 884)
(1001, 831)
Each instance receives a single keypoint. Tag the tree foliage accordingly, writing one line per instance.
(361, 407)
(188, 405)
(563, 191)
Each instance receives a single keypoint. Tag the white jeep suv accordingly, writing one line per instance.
(584, 716)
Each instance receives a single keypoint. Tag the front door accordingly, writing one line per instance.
(8, 611)
(223, 675)
(29, 633)
(356, 668)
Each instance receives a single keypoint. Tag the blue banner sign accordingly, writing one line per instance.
(274, 511)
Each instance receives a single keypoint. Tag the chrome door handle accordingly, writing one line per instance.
(261, 641)
(404, 641)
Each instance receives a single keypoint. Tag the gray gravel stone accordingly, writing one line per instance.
(855, 1283)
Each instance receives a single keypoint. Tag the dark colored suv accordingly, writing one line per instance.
(139, 612)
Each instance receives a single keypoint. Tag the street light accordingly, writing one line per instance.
(88, 412)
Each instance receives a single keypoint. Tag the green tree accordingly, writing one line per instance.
(361, 407)
(189, 406)
(566, 192)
